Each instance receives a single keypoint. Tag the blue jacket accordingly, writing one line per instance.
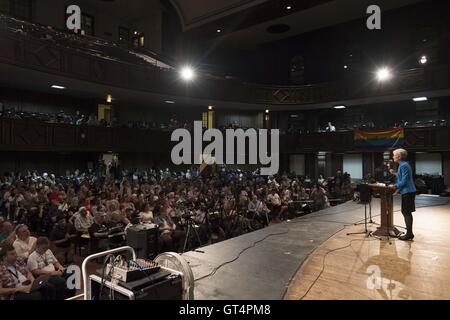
(405, 181)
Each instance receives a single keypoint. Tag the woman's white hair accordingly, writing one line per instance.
(402, 153)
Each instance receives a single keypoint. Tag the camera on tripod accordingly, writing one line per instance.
(188, 216)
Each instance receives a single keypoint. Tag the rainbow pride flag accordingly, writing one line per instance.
(379, 139)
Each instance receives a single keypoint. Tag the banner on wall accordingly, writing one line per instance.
(379, 139)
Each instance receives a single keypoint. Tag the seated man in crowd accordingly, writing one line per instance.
(43, 262)
(274, 203)
(7, 233)
(171, 238)
(258, 210)
(146, 216)
(116, 229)
(15, 278)
(25, 244)
(99, 232)
(63, 236)
(83, 220)
(319, 196)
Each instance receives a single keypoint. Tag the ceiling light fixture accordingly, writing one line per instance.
(384, 74)
(187, 73)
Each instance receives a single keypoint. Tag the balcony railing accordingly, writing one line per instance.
(27, 135)
(110, 65)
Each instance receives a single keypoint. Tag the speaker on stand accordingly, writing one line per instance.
(144, 239)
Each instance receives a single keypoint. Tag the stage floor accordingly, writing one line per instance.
(283, 260)
(355, 267)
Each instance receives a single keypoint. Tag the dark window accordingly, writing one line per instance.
(138, 39)
(87, 24)
(17, 8)
(124, 37)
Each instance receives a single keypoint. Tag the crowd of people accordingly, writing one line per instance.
(80, 119)
(55, 216)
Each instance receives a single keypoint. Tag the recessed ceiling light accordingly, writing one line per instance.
(109, 98)
(345, 67)
(58, 87)
(419, 99)
(169, 102)
(339, 107)
(288, 7)
(219, 30)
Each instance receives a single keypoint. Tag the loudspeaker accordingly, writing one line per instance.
(144, 240)
(365, 193)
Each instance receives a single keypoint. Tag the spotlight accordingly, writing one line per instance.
(288, 8)
(384, 74)
(169, 102)
(219, 30)
(423, 60)
(267, 111)
(187, 74)
(419, 99)
(339, 107)
(345, 67)
(58, 87)
(109, 98)
(210, 108)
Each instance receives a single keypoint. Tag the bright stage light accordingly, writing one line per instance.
(58, 87)
(419, 99)
(384, 74)
(187, 73)
(423, 60)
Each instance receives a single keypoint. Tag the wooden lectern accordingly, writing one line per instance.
(387, 228)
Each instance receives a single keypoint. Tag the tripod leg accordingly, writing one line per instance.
(365, 217)
(187, 237)
(198, 237)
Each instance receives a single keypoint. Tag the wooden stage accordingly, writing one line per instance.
(359, 268)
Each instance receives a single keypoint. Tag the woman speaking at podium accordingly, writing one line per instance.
(405, 183)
